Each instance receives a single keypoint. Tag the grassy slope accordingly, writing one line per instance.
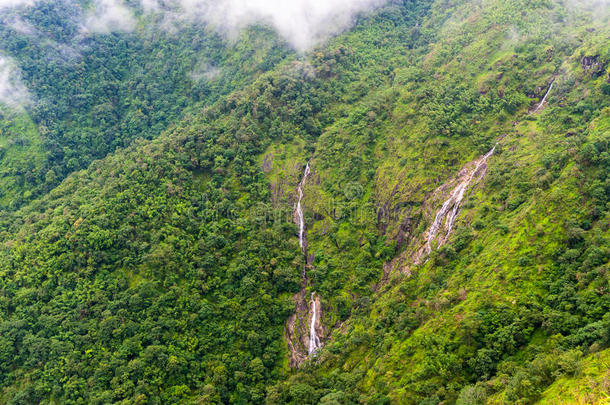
(590, 385)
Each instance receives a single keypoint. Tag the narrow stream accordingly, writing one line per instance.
(300, 208)
(314, 340)
(541, 104)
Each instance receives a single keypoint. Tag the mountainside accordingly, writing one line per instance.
(415, 211)
(91, 94)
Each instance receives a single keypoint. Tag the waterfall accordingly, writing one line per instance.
(539, 106)
(300, 208)
(314, 340)
(451, 207)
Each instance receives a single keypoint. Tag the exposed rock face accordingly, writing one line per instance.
(405, 229)
(593, 65)
(442, 219)
(297, 331)
(542, 102)
(267, 163)
(299, 328)
(277, 192)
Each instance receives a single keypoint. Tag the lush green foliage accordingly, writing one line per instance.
(164, 273)
(95, 94)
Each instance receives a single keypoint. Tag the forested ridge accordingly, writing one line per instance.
(149, 251)
(99, 93)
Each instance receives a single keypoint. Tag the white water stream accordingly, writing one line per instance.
(541, 104)
(300, 208)
(451, 207)
(314, 340)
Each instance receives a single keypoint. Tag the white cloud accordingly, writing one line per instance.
(21, 26)
(303, 23)
(12, 92)
(150, 5)
(205, 72)
(109, 16)
(15, 3)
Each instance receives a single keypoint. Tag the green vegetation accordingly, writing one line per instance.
(590, 385)
(165, 270)
(95, 95)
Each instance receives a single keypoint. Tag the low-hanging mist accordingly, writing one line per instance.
(12, 91)
(303, 23)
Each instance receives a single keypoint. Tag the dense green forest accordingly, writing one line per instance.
(99, 93)
(149, 232)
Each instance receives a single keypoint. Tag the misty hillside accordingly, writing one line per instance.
(306, 202)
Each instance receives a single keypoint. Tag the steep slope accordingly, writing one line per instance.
(520, 292)
(166, 273)
(159, 274)
(90, 94)
(589, 386)
(146, 279)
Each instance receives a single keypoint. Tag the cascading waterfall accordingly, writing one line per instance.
(300, 209)
(451, 207)
(541, 104)
(314, 340)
